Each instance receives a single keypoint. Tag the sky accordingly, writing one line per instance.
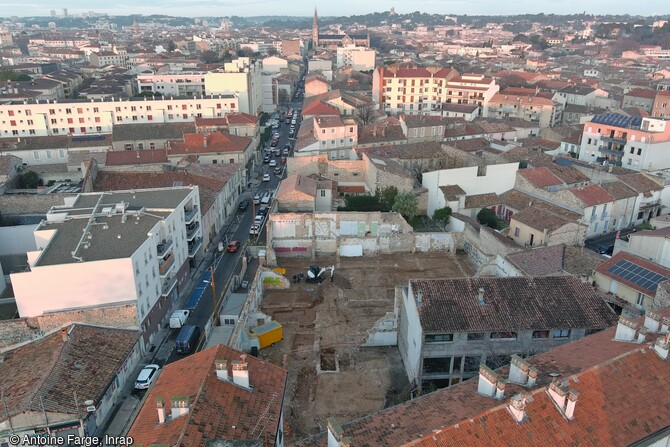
(195, 8)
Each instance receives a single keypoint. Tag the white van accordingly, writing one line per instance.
(266, 198)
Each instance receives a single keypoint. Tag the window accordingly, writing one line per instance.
(70, 121)
(540, 334)
(639, 151)
(49, 155)
(496, 361)
(36, 155)
(323, 193)
(61, 153)
(80, 110)
(438, 338)
(640, 299)
(81, 120)
(561, 333)
(471, 364)
(438, 365)
(503, 335)
(517, 232)
(68, 111)
(472, 336)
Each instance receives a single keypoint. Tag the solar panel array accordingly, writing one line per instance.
(637, 275)
(614, 119)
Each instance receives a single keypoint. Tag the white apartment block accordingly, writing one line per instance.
(119, 248)
(331, 135)
(419, 90)
(72, 117)
(358, 58)
(633, 143)
(241, 78)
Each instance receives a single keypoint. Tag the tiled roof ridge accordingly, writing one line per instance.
(42, 388)
(191, 412)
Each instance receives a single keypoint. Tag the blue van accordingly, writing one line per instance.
(187, 340)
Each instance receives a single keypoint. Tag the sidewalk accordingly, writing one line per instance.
(123, 416)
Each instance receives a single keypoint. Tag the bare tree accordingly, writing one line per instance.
(365, 115)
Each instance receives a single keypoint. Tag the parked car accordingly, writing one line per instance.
(233, 246)
(258, 220)
(257, 198)
(285, 152)
(253, 231)
(266, 177)
(277, 170)
(263, 211)
(146, 377)
(274, 143)
(244, 205)
(291, 134)
(187, 339)
(273, 163)
(266, 159)
(606, 249)
(287, 147)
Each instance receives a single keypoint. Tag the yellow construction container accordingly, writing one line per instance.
(268, 334)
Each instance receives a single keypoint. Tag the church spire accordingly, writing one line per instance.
(315, 30)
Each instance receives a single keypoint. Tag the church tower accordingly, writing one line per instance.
(315, 30)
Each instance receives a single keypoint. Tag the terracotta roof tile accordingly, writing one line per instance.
(592, 195)
(541, 219)
(482, 200)
(120, 158)
(218, 409)
(540, 177)
(48, 370)
(640, 183)
(215, 142)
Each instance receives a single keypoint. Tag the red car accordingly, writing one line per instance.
(282, 160)
(233, 246)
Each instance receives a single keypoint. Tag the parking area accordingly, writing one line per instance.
(330, 374)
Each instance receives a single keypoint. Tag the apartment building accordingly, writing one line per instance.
(241, 78)
(448, 327)
(117, 57)
(77, 117)
(358, 58)
(633, 143)
(542, 111)
(661, 106)
(133, 249)
(414, 90)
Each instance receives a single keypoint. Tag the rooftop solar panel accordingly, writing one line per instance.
(637, 274)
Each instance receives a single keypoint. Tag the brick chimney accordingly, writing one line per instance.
(517, 406)
(221, 368)
(489, 384)
(563, 398)
(662, 346)
(160, 406)
(625, 330)
(241, 372)
(63, 333)
(179, 406)
(519, 371)
(641, 334)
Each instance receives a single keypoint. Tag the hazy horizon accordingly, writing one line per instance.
(251, 8)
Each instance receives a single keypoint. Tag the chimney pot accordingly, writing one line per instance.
(662, 347)
(652, 321)
(641, 334)
(179, 406)
(532, 376)
(500, 389)
(241, 372)
(518, 370)
(558, 393)
(488, 381)
(570, 406)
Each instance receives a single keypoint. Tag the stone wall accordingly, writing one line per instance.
(17, 331)
(341, 171)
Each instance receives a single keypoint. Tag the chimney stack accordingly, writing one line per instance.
(179, 406)
(160, 406)
(625, 330)
(480, 296)
(241, 372)
(652, 321)
(641, 334)
(662, 347)
(564, 398)
(489, 383)
(221, 367)
(336, 436)
(520, 371)
(63, 333)
(517, 406)
(204, 140)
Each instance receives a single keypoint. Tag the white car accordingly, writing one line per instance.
(258, 220)
(273, 163)
(266, 177)
(253, 231)
(146, 377)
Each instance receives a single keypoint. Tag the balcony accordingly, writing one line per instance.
(648, 205)
(165, 265)
(164, 247)
(168, 285)
(194, 247)
(612, 162)
(192, 230)
(607, 151)
(189, 214)
(618, 140)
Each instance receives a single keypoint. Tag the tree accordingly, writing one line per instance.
(245, 52)
(30, 180)
(171, 46)
(272, 52)
(209, 57)
(364, 115)
(361, 203)
(387, 198)
(486, 216)
(406, 204)
(441, 216)
(10, 75)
